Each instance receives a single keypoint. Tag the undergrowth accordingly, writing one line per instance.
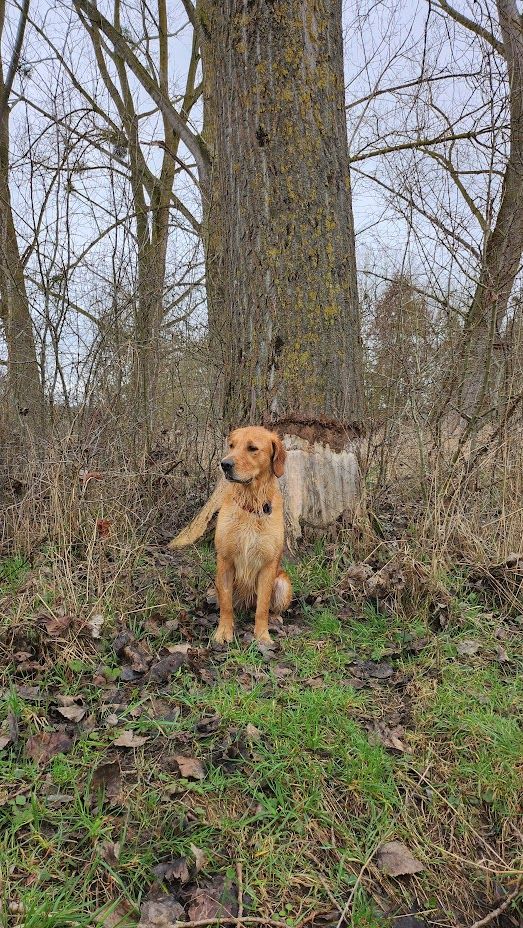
(374, 721)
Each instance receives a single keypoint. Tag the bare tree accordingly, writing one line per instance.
(24, 377)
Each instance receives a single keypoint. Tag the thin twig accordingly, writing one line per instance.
(246, 920)
(501, 908)
(239, 878)
(355, 887)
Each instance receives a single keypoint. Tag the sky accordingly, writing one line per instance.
(396, 195)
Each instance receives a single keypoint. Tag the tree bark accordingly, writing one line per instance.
(24, 382)
(503, 246)
(288, 328)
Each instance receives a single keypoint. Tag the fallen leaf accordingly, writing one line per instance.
(128, 739)
(173, 870)
(208, 724)
(182, 648)
(94, 624)
(218, 899)
(388, 737)
(164, 668)
(199, 857)
(4, 741)
(378, 670)
(103, 528)
(468, 647)
(108, 777)
(41, 747)
(110, 852)
(502, 655)
(72, 713)
(161, 913)
(57, 624)
(253, 733)
(29, 693)
(395, 859)
(138, 657)
(190, 767)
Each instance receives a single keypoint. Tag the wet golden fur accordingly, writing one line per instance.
(249, 541)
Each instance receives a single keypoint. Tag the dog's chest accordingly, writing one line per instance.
(250, 542)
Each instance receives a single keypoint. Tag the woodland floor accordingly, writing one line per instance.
(146, 777)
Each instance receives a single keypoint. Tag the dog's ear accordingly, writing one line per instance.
(278, 455)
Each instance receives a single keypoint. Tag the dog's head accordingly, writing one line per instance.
(253, 453)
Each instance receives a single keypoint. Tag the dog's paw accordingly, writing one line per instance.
(263, 638)
(223, 635)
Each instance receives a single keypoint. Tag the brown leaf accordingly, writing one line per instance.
(72, 713)
(199, 857)
(128, 739)
(502, 655)
(41, 747)
(468, 647)
(163, 669)
(56, 624)
(110, 852)
(137, 656)
(208, 724)
(161, 913)
(190, 767)
(182, 648)
(215, 900)
(378, 670)
(253, 733)
(108, 777)
(388, 737)
(5, 739)
(103, 528)
(395, 859)
(176, 870)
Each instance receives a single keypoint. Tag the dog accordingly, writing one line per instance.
(249, 534)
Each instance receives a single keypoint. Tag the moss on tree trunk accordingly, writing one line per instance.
(281, 262)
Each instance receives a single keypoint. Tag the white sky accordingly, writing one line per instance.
(386, 44)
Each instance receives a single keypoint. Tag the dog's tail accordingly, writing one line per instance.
(197, 527)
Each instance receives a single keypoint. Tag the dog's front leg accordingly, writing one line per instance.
(264, 589)
(224, 584)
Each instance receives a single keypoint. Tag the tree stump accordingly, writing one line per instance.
(321, 485)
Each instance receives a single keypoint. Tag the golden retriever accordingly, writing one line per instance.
(249, 533)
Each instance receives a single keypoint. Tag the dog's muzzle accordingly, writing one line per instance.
(228, 469)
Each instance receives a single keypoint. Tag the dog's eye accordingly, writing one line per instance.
(251, 448)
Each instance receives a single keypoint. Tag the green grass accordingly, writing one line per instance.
(13, 572)
(303, 804)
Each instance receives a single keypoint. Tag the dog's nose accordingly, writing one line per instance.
(227, 466)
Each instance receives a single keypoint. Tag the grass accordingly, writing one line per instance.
(302, 801)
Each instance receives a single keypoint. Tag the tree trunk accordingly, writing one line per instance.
(285, 324)
(26, 400)
(504, 244)
(281, 200)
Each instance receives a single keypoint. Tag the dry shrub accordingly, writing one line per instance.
(455, 500)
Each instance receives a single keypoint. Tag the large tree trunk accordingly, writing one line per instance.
(26, 400)
(503, 246)
(286, 322)
(282, 202)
